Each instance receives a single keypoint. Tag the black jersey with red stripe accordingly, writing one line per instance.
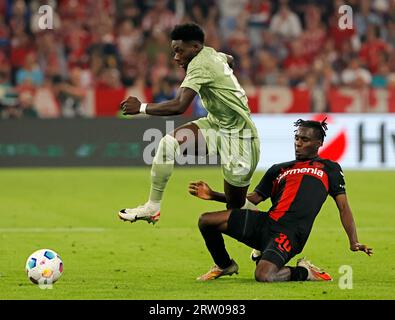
(298, 190)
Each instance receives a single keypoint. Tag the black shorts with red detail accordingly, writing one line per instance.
(257, 230)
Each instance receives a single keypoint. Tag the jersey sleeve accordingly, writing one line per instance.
(223, 57)
(337, 184)
(196, 77)
(264, 188)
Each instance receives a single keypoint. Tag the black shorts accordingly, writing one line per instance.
(257, 230)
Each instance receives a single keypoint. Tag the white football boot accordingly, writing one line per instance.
(216, 272)
(314, 273)
(149, 212)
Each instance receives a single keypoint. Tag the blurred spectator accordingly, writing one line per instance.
(30, 71)
(355, 76)
(212, 38)
(25, 106)
(380, 78)
(229, 11)
(314, 35)
(129, 38)
(21, 44)
(103, 43)
(296, 64)
(159, 18)
(381, 6)
(5, 65)
(286, 23)
(51, 55)
(373, 49)
(274, 45)
(245, 70)
(133, 68)
(164, 90)
(364, 17)
(156, 43)
(77, 41)
(346, 53)
(20, 11)
(391, 81)
(317, 93)
(241, 46)
(323, 69)
(266, 71)
(110, 78)
(258, 18)
(389, 13)
(3, 8)
(70, 95)
(8, 96)
(328, 52)
(4, 33)
(129, 10)
(196, 13)
(160, 68)
(390, 33)
(200, 11)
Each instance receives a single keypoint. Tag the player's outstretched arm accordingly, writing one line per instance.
(176, 106)
(347, 220)
(203, 191)
(255, 198)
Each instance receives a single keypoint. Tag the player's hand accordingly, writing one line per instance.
(361, 247)
(201, 190)
(130, 106)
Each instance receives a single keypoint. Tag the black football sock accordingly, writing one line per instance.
(216, 246)
(298, 273)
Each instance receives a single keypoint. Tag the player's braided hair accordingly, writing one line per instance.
(319, 126)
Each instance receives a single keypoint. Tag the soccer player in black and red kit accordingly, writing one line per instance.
(297, 190)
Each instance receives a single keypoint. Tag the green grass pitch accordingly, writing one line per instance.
(73, 211)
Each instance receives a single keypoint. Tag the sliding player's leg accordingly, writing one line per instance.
(268, 271)
(212, 225)
(278, 249)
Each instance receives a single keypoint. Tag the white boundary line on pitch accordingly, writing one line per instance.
(50, 230)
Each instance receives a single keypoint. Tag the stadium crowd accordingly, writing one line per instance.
(104, 44)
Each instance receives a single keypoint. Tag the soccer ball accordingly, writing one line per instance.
(44, 267)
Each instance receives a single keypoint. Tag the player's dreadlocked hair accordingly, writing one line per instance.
(187, 32)
(319, 127)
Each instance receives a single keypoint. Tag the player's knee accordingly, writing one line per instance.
(208, 220)
(167, 150)
(204, 221)
(263, 276)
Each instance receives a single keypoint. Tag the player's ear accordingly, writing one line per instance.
(196, 45)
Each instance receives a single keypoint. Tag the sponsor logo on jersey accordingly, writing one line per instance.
(314, 171)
